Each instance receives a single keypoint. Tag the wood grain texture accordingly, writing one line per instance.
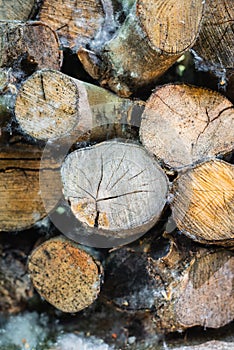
(182, 286)
(52, 105)
(74, 22)
(156, 34)
(64, 274)
(16, 9)
(26, 47)
(21, 205)
(203, 202)
(183, 124)
(216, 39)
(104, 185)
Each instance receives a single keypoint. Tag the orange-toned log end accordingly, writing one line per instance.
(203, 202)
(64, 274)
(184, 124)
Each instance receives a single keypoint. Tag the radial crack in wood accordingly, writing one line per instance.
(104, 185)
(183, 124)
(203, 204)
(65, 275)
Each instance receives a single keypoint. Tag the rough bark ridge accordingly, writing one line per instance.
(203, 202)
(16, 9)
(64, 274)
(183, 124)
(153, 36)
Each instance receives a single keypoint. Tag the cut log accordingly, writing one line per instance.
(16, 10)
(182, 288)
(21, 205)
(65, 275)
(153, 36)
(15, 286)
(104, 185)
(75, 23)
(26, 47)
(183, 124)
(216, 39)
(52, 105)
(203, 202)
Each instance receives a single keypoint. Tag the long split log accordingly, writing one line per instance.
(64, 274)
(183, 124)
(26, 47)
(51, 105)
(203, 202)
(104, 185)
(182, 287)
(153, 36)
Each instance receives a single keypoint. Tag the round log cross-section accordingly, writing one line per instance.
(117, 189)
(203, 202)
(184, 124)
(65, 275)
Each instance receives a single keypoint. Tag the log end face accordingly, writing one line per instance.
(47, 105)
(66, 276)
(172, 26)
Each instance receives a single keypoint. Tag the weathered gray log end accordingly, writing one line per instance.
(203, 202)
(117, 189)
(64, 274)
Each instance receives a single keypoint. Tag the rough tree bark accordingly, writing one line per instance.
(52, 105)
(183, 286)
(64, 274)
(26, 47)
(153, 36)
(203, 202)
(104, 185)
(182, 124)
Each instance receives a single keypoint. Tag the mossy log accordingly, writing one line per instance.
(51, 105)
(28, 46)
(184, 286)
(203, 204)
(182, 125)
(153, 36)
(64, 274)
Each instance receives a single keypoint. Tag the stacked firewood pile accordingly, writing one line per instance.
(133, 178)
